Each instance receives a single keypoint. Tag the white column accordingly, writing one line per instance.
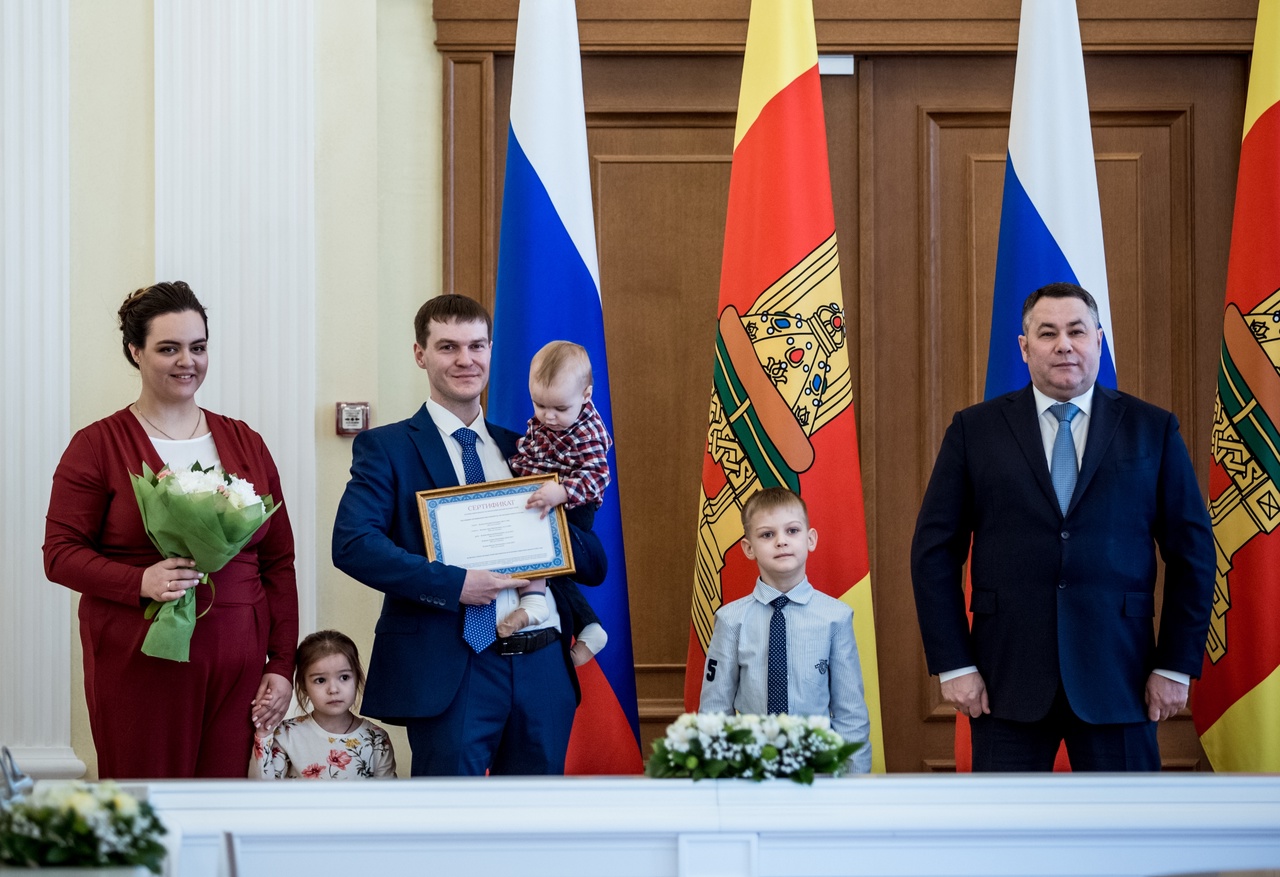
(35, 351)
(235, 205)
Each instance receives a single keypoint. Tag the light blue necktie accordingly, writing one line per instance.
(479, 623)
(1063, 468)
(776, 680)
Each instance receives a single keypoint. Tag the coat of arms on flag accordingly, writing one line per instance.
(1236, 703)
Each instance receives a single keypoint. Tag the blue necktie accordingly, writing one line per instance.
(1063, 469)
(479, 623)
(777, 679)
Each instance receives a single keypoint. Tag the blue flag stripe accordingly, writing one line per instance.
(1027, 258)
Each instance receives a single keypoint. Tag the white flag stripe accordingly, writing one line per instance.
(1051, 144)
(548, 119)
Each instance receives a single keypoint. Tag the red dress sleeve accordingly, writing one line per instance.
(94, 540)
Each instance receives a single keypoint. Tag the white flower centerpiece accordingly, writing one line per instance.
(80, 825)
(717, 746)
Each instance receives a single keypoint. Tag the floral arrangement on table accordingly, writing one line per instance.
(206, 515)
(716, 746)
(80, 825)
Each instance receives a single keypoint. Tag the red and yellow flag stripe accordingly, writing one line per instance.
(782, 408)
(1236, 702)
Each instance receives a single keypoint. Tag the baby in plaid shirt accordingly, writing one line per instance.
(565, 436)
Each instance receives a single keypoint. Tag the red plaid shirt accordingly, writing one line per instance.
(578, 454)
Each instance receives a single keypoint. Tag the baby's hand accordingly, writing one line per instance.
(580, 654)
(513, 622)
(547, 497)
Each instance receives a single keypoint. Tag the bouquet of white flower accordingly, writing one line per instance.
(713, 746)
(206, 515)
(80, 825)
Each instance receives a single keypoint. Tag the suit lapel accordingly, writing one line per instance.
(1104, 419)
(426, 438)
(505, 439)
(1020, 414)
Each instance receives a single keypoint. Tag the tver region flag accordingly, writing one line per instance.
(1236, 703)
(782, 401)
(1050, 223)
(549, 289)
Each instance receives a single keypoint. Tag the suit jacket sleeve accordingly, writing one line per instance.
(939, 549)
(374, 506)
(589, 559)
(1185, 538)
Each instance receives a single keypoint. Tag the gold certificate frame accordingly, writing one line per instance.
(486, 526)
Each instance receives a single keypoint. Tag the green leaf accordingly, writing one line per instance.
(804, 775)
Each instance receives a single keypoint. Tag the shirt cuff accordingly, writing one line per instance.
(953, 674)
(1184, 678)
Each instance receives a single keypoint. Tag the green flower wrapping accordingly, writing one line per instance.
(201, 514)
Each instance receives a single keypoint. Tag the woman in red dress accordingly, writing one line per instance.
(153, 717)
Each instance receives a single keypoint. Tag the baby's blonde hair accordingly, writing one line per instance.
(554, 358)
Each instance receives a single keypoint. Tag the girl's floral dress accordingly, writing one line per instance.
(301, 748)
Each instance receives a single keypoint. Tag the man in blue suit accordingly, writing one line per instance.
(502, 705)
(1063, 489)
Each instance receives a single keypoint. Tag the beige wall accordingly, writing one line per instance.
(378, 181)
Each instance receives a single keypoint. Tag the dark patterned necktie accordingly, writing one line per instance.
(778, 657)
(479, 623)
(1064, 468)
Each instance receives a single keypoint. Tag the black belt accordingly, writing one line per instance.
(526, 641)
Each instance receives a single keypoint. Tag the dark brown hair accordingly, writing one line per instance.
(771, 498)
(144, 305)
(449, 308)
(1061, 289)
(318, 646)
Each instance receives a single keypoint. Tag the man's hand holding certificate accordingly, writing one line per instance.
(488, 526)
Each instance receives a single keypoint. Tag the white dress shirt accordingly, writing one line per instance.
(495, 469)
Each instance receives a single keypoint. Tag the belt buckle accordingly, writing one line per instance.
(516, 644)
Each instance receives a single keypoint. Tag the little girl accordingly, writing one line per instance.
(330, 742)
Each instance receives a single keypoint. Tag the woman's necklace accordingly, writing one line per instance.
(355, 720)
(199, 417)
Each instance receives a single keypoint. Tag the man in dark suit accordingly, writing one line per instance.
(473, 704)
(1063, 529)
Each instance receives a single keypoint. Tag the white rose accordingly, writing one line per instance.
(241, 494)
(190, 482)
(711, 723)
(83, 803)
(125, 804)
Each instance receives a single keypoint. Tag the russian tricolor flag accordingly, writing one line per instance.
(549, 289)
(1050, 224)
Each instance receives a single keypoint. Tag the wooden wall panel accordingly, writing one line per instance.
(470, 229)
(939, 26)
(660, 256)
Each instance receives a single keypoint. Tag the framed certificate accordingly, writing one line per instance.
(486, 526)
